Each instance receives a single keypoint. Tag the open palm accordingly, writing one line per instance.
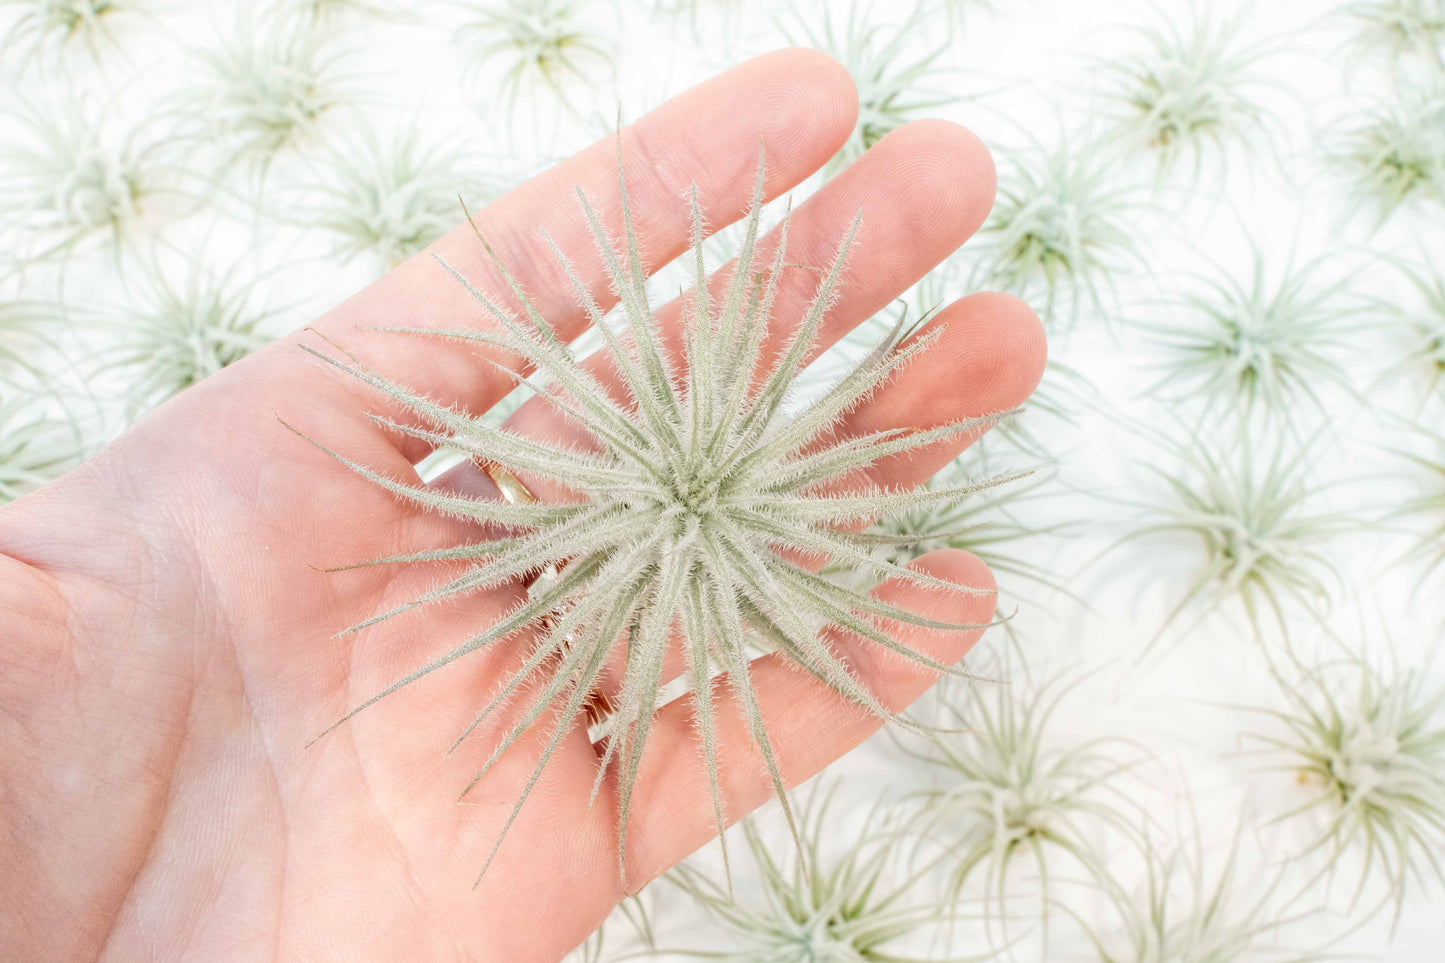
(166, 646)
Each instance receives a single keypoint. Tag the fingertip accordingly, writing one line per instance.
(996, 348)
(950, 174)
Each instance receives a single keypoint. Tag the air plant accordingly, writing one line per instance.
(70, 178)
(63, 24)
(1367, 740)
(854, 907)
(1258, 519)
(1010, 792)
(179, 330)
(1426, 319)
(889, 78)
(1396, 150)
(1412, 27)
(1261, 342)
(540, 41)
(1192, 90)
(673, 531)
(1185, 914)
(35, 447)
(264, 94)
(388, 197)
(1059, 230)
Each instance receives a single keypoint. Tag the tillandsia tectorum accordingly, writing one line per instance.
(1262, 341)
(852, 905)
(679, 511)
(889, 78)
(1368, 740)
(1193, 90)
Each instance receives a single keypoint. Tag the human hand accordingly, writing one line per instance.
(165, 649)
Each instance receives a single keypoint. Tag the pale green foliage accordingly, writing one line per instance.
(23, 332)
(680, 511)
(319, 11)
(1429, 506)
(843, 907)
(1415, 27)
(1426, 319)
(268, 92)
(1369, 741)
(1251, 508)
(1264, 341)
(1010, 789)
(1182, 915)
(389, 197)
(1192, 90)
(1396, 150)
(541, 41)
(1059, 229)
(61, 24)
(34, 447)
(178, 331)
(70, 177)
(888, 74)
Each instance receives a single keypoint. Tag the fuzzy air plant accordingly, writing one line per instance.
(1395, 149)
(1012, 796)
(859, 905)
(1059, 230)
(1255, 513)
(673, 530)
(1414, 28)
(1366, 742)
(888, 71)
(1266, 342)
(180, 329)
(388, 197)
(547, 42)
(70, 179)
(1193, 90)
